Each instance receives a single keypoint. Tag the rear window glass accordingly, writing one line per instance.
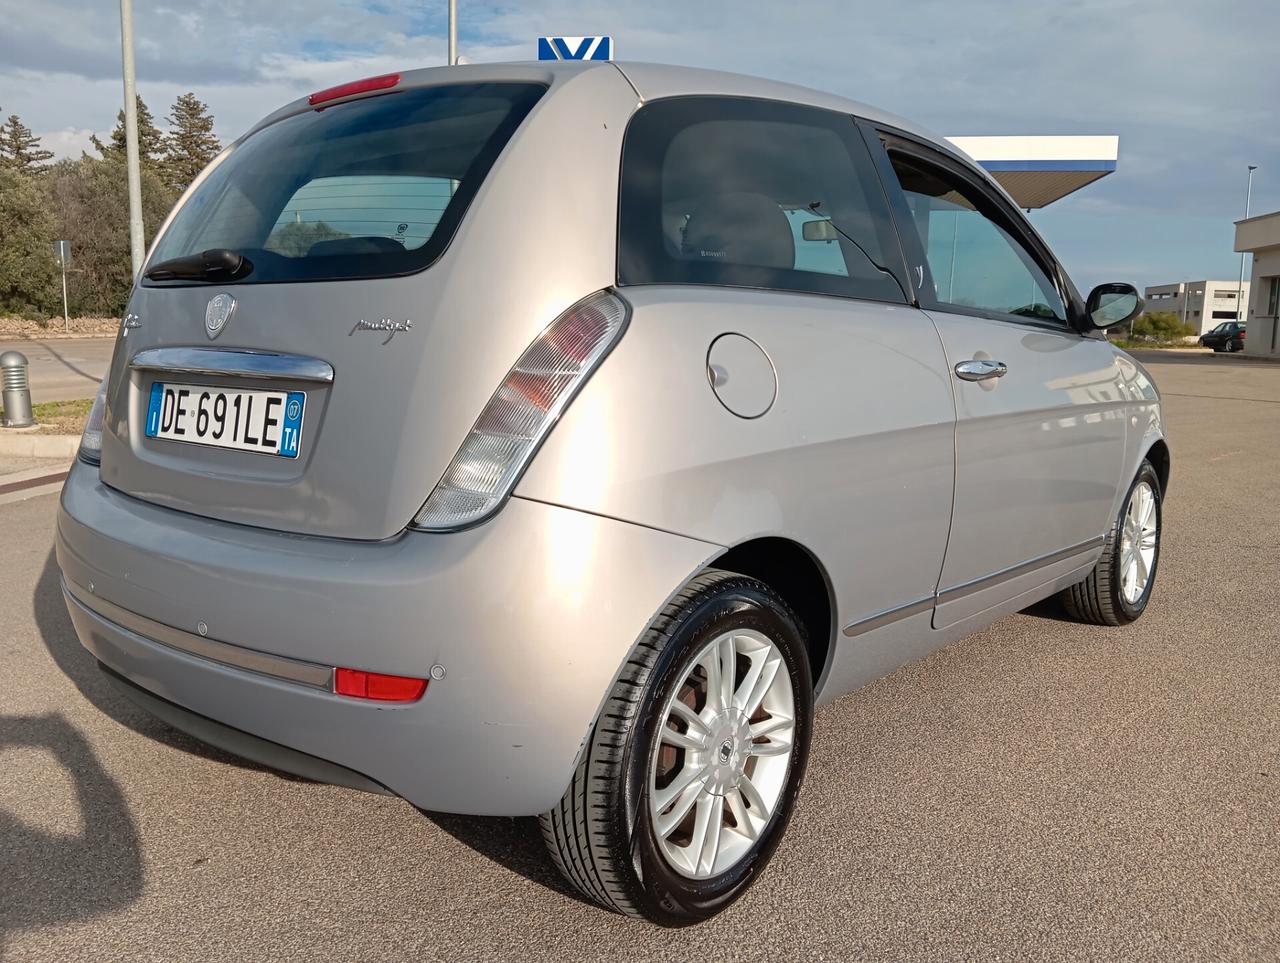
(370, 188)
(754, 193)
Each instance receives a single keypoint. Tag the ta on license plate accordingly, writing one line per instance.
(268, 422)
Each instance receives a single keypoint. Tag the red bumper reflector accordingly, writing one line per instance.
(377, 685)
(381, 82)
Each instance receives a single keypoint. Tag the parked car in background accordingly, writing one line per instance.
(552, 439)
(1228, 337)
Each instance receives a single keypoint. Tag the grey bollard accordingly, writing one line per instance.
(17, 391)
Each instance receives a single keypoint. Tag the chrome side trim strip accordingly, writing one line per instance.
(224, 653)
(881, 619)
(1022, 568)
(223, 362)
(889, 616)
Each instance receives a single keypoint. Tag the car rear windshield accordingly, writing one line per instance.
(364, 189)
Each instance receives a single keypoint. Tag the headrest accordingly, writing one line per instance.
(740, 228)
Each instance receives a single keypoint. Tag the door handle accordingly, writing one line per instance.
(981, 369)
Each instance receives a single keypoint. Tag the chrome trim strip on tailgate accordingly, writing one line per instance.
(223, 362)
(225, 653)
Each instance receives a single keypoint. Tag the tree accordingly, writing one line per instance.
(150, 141)
(190, 144)
(89, 200)
(28, 273)
(20, 149)
(296, 237)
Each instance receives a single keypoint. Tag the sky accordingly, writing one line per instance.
(1191, 87)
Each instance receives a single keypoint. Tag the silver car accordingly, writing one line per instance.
(553, 439)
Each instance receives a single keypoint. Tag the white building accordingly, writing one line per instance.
(1206, 304)
(1260, 236)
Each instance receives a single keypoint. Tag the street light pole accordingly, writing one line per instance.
(136, 242)
(1242, 311)
(453, 32)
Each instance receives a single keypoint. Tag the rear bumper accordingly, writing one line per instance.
(530, 616)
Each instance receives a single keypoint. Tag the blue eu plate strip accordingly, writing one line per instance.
(153, 409)
(291, 427)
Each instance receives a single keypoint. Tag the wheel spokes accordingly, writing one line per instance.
(685, 799)
(683, 740)
(708, 823)
(690, 717)
(746, 825)
(751, 702)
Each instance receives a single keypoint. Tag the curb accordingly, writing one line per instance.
(38, 446)
(14, 336)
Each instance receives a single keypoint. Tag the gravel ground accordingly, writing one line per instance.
(1042, 790)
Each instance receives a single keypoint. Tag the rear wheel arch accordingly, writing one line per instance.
(1158, 455)
(795, 573)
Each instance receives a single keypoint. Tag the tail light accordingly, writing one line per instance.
(522, 411)
(91, 439)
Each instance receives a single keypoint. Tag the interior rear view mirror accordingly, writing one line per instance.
(819, 231)
(1112, 304)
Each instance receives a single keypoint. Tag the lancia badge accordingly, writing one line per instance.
(218, 313)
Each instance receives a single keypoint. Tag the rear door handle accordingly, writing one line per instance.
(981, 370)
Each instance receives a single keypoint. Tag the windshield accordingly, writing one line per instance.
(369, 188)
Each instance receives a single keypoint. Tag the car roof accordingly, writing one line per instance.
(654, 81)
(650, 81)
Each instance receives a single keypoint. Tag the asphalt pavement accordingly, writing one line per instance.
(1042, 790)
(64, 369)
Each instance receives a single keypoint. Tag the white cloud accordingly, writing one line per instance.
(70, 141)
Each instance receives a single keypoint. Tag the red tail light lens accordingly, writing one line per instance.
(381, 82)
(377, 686)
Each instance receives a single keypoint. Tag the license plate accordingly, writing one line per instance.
(267, 422)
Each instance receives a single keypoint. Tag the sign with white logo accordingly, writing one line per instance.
(575, 48)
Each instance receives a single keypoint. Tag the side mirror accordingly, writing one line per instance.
(818, 231)
(1112, 304)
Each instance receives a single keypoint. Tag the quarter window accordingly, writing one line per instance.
(975, 262)
(752, 193)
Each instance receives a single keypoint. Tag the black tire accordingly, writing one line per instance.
(600, 835)
(1098, 599)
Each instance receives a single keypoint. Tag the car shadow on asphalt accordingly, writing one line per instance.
(515, 844)
(56, 877)
(1050, 609)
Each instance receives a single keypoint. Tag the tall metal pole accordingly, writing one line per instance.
(1242, 311)
(137, 248)
(453, 32)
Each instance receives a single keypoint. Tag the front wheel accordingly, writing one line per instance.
(689, 778)
(1116, 592)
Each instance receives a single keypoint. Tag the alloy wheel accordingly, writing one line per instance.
(722, 755)
(1138, 542)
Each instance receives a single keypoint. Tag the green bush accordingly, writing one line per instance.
(1163, 326)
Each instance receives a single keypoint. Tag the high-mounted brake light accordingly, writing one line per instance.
(381, 82)
(521, 412)
(377, 686)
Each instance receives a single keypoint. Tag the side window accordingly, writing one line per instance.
(733, 191)
(974, 261)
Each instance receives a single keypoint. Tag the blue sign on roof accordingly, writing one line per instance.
(575, 48)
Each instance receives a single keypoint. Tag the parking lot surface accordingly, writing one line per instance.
(1043, 790)
(64, 370)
